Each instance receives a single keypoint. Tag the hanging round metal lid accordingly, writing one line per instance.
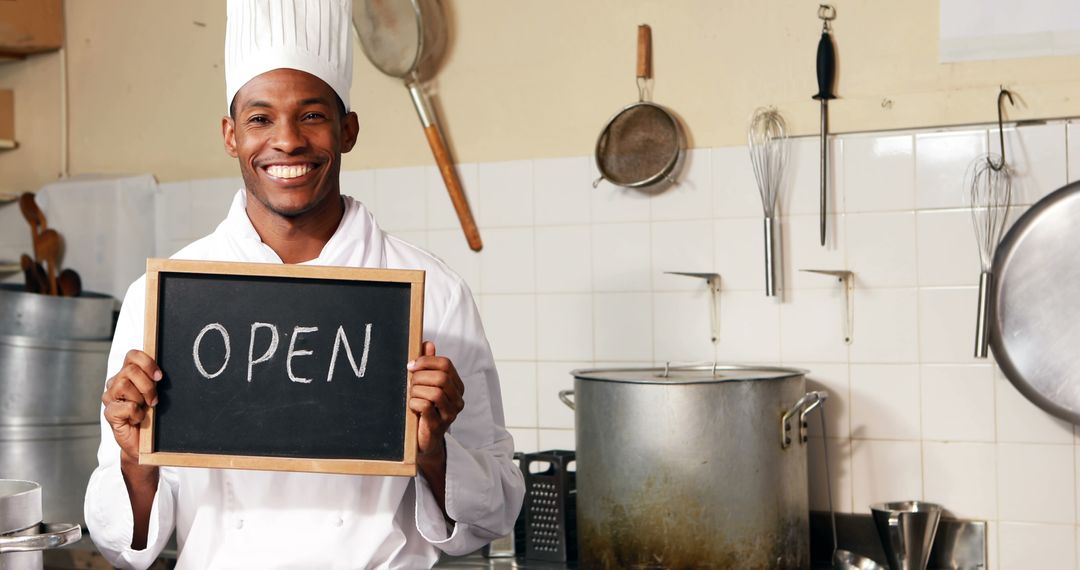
(692, 374)
(1035, 326)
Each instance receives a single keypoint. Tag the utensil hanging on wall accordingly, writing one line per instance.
(768, 141)
(402, 39)
(642, 145)
(826, 76)
(989, 186)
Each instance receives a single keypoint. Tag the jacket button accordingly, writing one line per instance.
(239, 524)
(340, 521)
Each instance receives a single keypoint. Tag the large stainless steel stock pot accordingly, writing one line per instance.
(692, 467)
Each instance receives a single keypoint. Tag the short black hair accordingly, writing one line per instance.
(340, 106)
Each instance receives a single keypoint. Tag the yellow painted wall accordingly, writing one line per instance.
(522, 79)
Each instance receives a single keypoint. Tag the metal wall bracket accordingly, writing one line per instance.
(712, 281)
(847, 282)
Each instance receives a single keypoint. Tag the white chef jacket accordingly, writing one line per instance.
(259, 519)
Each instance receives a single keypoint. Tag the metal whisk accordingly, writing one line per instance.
(990, 186)
(768, 141)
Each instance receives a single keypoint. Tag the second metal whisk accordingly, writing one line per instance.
(768, 141)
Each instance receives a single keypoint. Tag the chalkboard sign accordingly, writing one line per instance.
(282, 367)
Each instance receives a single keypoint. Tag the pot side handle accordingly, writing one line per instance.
(804, 406)
(564, 395)
(51, 536)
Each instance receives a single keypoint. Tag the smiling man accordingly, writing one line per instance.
(288, 73)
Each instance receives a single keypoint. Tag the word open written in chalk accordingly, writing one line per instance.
(341, 344)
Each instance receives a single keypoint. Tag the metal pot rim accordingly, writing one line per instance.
(20, 505)
(661, 375)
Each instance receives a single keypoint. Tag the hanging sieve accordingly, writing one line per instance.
(402, 38)
(642, 145)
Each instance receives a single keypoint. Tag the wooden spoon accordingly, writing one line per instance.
(48, 250)
(33, 283)
(70, 283)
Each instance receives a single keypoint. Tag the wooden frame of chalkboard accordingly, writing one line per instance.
(348, 423)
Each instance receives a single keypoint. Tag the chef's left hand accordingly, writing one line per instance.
(437, 395)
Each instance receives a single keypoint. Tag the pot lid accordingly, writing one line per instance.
(20, 505)
(1034, 310)
(694, 374)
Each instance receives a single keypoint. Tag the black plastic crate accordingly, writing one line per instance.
(550, 506)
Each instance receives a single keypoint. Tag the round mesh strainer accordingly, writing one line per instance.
(642, 144)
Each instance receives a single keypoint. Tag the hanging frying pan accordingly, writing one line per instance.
(402, 38)
(642, 145)
(1035, 310)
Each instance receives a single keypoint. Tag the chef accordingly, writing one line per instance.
(288, 71)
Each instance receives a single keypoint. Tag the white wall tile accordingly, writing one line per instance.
(623, 327)
(1036, 483)
(525, 440)
(885, 471)
(506, 193)
(881, 249)
(682, 327)
(564, 259)
(958, 402)
(563, 190)
(401, 198)
(1031, 546)
(1020, 421)
(519, 393)
(885, 326)
(451, 247)
(885, 401)
(879, 173)
(564, 326)
(740, 253)
(510, 324)
(681, 246)
(210, 201)
(1072, 134)
(947, 325)
(839, 475)
(802, 179)
(554, 377)
(440, 209)
(612, 203)
(834, 379)
(948, 253)
(962, 478)
(692, 197)
(172, 209)
(941, 164)
(749, 327)
(1037, 160)
(621, 257)
(799, 236)
(557, 439)
(506, 263)
(735, 188)
(812, 325)
(360, 184)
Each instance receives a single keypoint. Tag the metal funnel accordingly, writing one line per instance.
(907, 531)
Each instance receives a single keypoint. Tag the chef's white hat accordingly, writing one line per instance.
(309, 35)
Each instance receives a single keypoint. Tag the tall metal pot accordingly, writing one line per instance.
(692, 467)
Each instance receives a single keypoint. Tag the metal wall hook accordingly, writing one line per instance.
(712, 281)
(1001, 129)
(826, 13)
(847, 282)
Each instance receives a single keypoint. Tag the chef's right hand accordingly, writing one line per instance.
(127, 397)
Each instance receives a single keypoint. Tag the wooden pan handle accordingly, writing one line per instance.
(644, 52)
(453, 186)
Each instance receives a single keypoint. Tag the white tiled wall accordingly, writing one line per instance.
(573, 276)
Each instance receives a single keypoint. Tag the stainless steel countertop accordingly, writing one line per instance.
(477, 560)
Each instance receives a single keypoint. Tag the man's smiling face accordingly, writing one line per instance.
(288, 132)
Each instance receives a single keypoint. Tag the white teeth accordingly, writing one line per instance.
(288, 171)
